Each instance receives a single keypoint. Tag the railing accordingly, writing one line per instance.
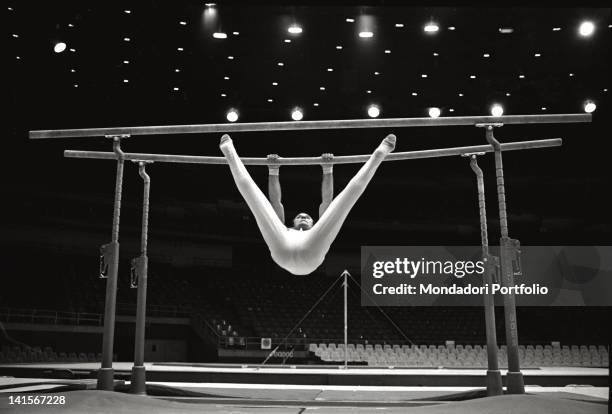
(50, 317)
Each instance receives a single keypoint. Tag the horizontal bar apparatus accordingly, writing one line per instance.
(308, 125)
(346, 159)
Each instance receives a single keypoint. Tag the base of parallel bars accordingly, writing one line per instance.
(139, 381)
(105, 379)
(494, 383)
(515, 383)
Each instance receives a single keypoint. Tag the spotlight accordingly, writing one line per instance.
(232, 115)
(589, 107)
(373, 111)
(220, 35)
(431, 28)
(586, 28)
(294, 29)
(297, 114)
(366, 34)
(59, 47)
(497, 110)
(434, 112)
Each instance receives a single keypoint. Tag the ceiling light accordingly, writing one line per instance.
(287, 40)
(605, 89)
(486, 55)
(373, 111)
(183, 23)
(322, 88)
(423, 75)
(180, 49)
(175, 89)
(226, 77)
(472, 76)
(521, 76)
(72, 49)
(543, 108)
(497, 110)
(451, 110)
(270, 100)
(399, 24)
(59, 47)
(126, 39)
(330, 69)
(232, 115)
(349, 20)
(15, 35)
(460, 94)
(297, 114)
(556, 29)
(435, 54)
(230, 57)
(414, 94)
(506, 30)
(434, 112)
(210, 4)
(339, 47)
(76, 85)
(368, 91)
(235, 33)
(571, 74)
(294, 29)
(125, 81)
(126, 62)
(223, 95)
(70, 25)
(507, 93)
(220, 35)
(431, 28)
(280, 64)
(376, 73)
(451, 27)
(315, 104)
(589, 107)
(274, 83)
(537, 55)
(387, 51)
(586, 28)
(177, 70)
(72, 70)
(366, 34)
(127, 11)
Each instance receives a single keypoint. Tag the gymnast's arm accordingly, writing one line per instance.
(274, 188)
(327, 183)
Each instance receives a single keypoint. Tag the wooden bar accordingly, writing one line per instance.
(308, 125)
(346, 159)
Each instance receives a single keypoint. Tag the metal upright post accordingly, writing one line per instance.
(109, 267)
(139, 279)
(494, 380)
(514, 378)
(345, 273)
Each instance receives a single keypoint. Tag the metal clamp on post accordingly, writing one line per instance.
(107, 252)
(494, 268)
(515, 256)
(137, 270)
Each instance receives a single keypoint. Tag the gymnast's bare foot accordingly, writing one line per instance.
(387, 145)
(225, 143)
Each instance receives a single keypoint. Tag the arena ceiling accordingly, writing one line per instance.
(150, 62)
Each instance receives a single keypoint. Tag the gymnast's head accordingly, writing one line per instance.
(303, 222)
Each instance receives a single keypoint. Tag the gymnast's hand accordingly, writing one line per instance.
(273, 162)
(327, 162)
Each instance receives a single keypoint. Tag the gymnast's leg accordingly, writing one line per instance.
(326, 229)
(270, 226)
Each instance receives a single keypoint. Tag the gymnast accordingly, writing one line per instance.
(302, 248)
